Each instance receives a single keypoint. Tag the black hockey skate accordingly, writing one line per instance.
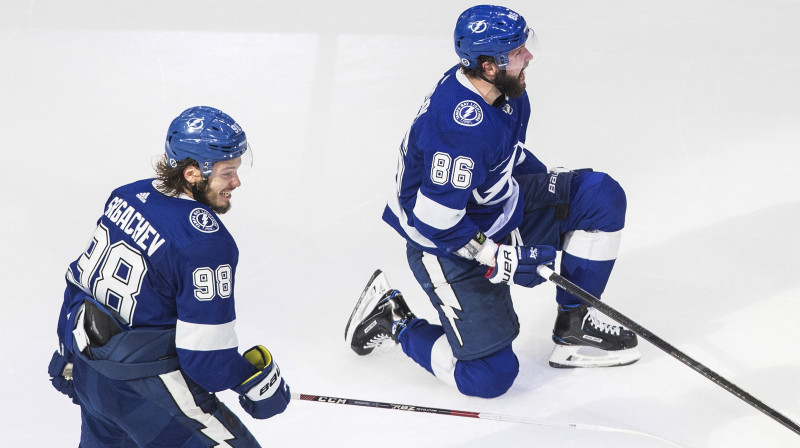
(586, 338)
(378, 318)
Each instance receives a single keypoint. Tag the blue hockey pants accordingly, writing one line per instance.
(471, 348)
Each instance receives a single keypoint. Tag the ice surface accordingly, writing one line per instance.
(691, 105)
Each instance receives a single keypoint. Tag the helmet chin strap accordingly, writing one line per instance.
(483, 77)
(502, 97)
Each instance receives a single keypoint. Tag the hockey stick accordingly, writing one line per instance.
(591, 300)
(470, 414)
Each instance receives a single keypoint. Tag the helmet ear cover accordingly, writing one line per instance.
(488, 30)
(205, 134)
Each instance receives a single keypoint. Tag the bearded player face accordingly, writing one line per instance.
(511, 81)
(215, 192)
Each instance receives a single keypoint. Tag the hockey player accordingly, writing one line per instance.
(146, 329)
(480, 213)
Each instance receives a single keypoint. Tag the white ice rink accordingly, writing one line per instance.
(692, 105)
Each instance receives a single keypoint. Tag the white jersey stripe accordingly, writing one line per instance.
(436, 215)
(201, 338)
(413, 234)
(508, 211)
(177, 387)
(596, 246)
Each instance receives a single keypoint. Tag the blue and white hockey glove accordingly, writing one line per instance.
(60, 371)
(516, 265)
(264, 394)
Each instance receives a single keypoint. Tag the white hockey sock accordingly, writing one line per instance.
(594, 246)
(587, 261)
(443, 363)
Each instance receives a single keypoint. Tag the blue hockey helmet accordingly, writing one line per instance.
(205, 134)
(488, 30)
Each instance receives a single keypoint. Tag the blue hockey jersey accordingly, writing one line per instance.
(456, 169)
(162, 262)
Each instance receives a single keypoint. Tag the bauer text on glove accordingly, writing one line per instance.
(516, 265)
(264, 394)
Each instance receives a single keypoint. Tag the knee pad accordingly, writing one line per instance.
(487, 377)
(611, 195)
(597, 202)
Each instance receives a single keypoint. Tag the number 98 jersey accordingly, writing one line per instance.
(159, 262)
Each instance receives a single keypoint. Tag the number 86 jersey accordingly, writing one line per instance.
(456, 168)
(159, 262)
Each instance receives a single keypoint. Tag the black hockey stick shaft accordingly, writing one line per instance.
(384, 405)
(592, 301)
(471, 414)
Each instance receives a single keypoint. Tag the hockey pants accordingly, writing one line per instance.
(167, 410)
(471, 349)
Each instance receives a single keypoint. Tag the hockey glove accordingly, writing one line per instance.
(264, 394)
(517, 265)
(60, 371)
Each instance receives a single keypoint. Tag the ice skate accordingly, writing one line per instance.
(586, 338)
(378, 318)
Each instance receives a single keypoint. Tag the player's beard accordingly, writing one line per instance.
(510, 86)
(201, 194)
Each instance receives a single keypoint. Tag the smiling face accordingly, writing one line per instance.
(223, 180)
(215, 192)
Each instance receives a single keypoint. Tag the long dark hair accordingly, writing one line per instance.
(170, 178)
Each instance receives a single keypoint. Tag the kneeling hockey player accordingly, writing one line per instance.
(480, 212)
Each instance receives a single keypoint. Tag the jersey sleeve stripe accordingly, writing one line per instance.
(400, 219)
(203, 337)
(436, 215)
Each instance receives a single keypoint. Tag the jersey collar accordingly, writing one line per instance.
(462, 78)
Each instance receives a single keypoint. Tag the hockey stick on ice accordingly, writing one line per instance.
(469, 414)
(591, 300)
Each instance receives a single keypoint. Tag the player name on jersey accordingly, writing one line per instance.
(133, 223)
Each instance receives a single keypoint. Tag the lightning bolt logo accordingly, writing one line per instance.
(468, 113)
(444, 291)
(503, 184)
(449, 306)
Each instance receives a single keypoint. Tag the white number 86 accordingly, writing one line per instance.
(462, 174)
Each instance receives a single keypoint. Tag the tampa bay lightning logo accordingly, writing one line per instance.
(468, 113)
(203, 220)
(478, 27)
(195, 123)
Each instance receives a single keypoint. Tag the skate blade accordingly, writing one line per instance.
(579, 356)
(376, 287)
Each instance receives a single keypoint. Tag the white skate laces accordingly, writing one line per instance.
(380, 341)
(595, 318)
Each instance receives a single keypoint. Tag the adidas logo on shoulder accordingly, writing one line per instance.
(143, 197)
